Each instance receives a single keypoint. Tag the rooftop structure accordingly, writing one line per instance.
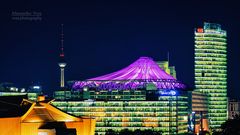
(137, 75)
(19, 116)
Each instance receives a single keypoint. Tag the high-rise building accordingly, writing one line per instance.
(211, 70)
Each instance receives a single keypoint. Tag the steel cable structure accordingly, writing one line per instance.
(136, 76)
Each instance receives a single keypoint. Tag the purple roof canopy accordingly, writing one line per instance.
(137, 75)
(142, 69)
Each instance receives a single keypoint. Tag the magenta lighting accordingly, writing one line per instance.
(135, 76)
(142, 69)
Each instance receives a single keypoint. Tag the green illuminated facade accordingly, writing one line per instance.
(141, 96)
(132, 110)
(168, 69)
(211, 70)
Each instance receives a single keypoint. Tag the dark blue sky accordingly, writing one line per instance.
(105, 36)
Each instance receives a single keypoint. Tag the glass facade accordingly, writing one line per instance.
(211, 70)
(199, 121)
(168, 69)
(166, 113)
(140, 96)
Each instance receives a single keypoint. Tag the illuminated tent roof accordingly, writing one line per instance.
(137, 75)
(142, 69)
(30, 118)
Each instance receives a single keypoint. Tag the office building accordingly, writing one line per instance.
(140, 96)
(9, 89)
(211, 70)
(198, 120)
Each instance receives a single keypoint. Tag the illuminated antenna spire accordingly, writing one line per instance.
(62, 47)
(62, 64)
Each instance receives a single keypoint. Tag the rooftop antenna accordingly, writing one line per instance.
(168, 58)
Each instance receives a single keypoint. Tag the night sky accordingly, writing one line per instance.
(104, 36)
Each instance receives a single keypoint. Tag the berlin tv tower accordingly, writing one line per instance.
(62, 64)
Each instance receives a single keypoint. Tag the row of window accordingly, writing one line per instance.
(214, 55)
(208, 48)
(213, 44)
(217, 35)
(199, 38)
(210, 59)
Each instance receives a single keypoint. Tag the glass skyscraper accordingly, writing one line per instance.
(211, 70)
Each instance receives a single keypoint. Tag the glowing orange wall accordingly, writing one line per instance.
(77, 125)
(205, 126)
(13, 126)
(87, 127)
(30, 128)
(82, 128)
(10, 126)
(23, 126)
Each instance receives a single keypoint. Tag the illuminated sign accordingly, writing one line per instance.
(168, 92)
(200, 30)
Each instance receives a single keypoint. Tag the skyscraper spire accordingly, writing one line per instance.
(62, 64)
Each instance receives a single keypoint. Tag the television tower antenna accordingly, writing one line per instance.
(62, 64)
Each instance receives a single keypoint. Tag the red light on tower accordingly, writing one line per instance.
(200, 30)
(61, 55)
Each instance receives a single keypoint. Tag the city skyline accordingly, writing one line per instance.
(108, 36)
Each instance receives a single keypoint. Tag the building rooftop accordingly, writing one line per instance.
(137, 75)
(142, 69)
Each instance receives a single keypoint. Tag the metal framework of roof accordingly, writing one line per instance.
(136, 76)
